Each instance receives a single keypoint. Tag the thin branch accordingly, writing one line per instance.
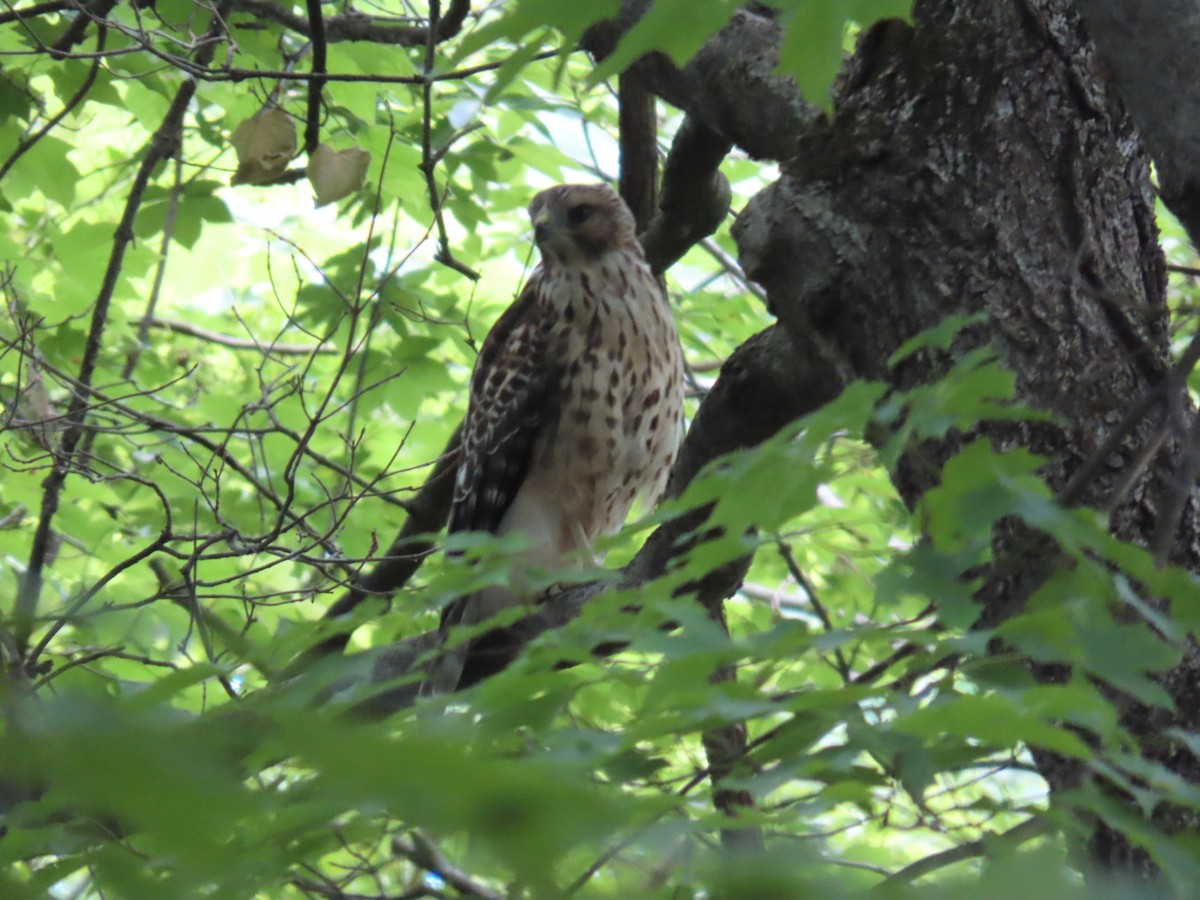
(236, 75)
(237, 343)
(793, 567)
(312, 126)
(1017, 835)
(428, 512)
(429, 160)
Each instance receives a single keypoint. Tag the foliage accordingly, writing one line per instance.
(267, 383)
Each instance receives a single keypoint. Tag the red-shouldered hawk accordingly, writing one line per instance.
(576, 401)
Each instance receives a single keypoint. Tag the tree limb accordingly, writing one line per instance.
(695, 195)
(713, 90)
(638, 129)
(357, 27)
(37, 9)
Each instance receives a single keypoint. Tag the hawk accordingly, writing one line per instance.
(576, 403)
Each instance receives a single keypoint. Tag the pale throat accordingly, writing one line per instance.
(588, 278)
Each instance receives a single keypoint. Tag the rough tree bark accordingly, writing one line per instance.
(980, 161)
(1008, 183)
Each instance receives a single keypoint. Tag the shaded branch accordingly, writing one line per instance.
(695, 195)
(160, 271)
(737, 62)
(1017, 835)
(421, 852)
(37, 9)
(91, 12)
(429, 159)
(638, 129)
(357, 27)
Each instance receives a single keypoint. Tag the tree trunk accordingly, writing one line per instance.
(979, 163)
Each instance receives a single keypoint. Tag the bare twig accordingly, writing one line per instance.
(237, 343)
(428, 512)
(161, 147)
(160, 271)
(793, 567)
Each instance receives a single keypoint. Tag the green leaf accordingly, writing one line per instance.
(939, 337)
(979, 487)
(48, 171)
(992, 719)
(812, 46)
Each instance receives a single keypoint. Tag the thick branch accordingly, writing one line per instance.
(38, 9)
(639, 149)
(92, 11)
(695, 195)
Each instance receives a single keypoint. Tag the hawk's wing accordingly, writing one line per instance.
(513, 400)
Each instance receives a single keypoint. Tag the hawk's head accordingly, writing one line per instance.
(579, 222)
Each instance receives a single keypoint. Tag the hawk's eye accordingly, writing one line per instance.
(577, 215)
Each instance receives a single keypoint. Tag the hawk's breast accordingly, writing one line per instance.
(621, 396)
